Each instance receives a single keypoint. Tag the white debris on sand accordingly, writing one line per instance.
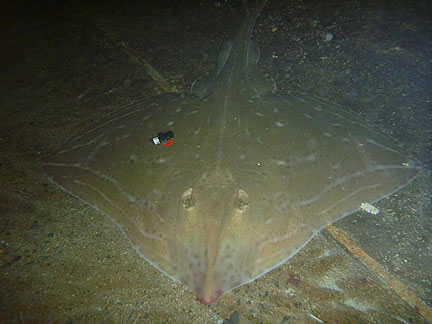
(369, 208)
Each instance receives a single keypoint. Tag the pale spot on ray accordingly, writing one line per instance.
(287, 101)
(192, 113)
(161, 160)
(133, 157)
(346, 140)
(312, 143)
(260, 141)
(335, 167)
(301, 98)
(269, 221)
(281, 163)
(122, 137)
(310, 158)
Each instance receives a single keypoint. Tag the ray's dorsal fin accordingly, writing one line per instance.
(204, 85)
(258, 81)
(237, 64)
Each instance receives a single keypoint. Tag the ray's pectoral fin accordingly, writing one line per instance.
(204, 85)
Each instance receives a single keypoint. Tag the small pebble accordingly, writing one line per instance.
(328, 37)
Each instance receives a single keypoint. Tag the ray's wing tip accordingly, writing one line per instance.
(414, 163)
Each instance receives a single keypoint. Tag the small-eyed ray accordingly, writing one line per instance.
(252, 175)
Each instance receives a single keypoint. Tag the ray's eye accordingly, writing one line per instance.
(243, 200)
(187, 199)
